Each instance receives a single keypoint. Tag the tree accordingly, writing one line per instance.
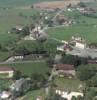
(25, 31)
(17, 75)
(50, 23)
(50, 62)
(22, 50)
(69, 59)
(90, 94)
(80, 98)
(85, 72)
(32, 26)
(82, 4)
(94, 81)
(37, 80)
(50, 46)
(73, 98)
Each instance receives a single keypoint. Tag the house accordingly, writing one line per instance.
(65, 69)
(64, 48)
(6, 72)
(92, 61)
(75, 38)
(80, 45)
(68, 95)
(93, 45)
(88, 11)
(19, 27)
(20, 86)
(60, 48)
(39, 98)
(5, 95)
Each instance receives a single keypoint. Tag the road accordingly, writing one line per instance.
(19, 62)
(57, 14)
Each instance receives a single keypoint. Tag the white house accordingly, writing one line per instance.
(68, 96)
(6, 72)
(80, 45)
(5, 95)
(60, 48)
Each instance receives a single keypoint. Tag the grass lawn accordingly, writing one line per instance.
(4, 55)
(13, 3)
(5, 83)
(32, 95)
(8, 19)
(29, 68)
(65, 33)
(81, 19)
(68, 84)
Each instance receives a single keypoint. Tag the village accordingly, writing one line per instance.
(44, 64)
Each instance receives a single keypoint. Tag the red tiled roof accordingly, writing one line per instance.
(92, 61)
(6, 69)
(64, 67)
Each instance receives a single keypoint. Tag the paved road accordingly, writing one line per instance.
(57, 14)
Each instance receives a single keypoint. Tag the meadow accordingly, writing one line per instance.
(68, 84)
(29, 68)
(9, 18)
(65, 33)
(85, 27)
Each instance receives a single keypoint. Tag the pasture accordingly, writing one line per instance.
(68, 84)
(9, 18)
(29, 68)
(65, 33)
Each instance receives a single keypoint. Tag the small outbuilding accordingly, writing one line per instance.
(6, 72)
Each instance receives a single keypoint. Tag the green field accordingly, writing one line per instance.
(68, 84)
(65, 33)
(34, 94)
(29, 68)
(81, 19)
(13, 3)
(9, 18)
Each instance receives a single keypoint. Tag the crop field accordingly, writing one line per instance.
(13, 3)
(55, 4)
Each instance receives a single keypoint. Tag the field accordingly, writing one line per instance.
(68, 84)
(29, 68)
(34, 94)
(85, 27)
(65, 33)
(9, 18)
(55, 4)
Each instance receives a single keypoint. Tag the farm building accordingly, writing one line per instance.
(65, 69)
(19, 27)
(6, 72)
(80, 45)
(68, 96)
